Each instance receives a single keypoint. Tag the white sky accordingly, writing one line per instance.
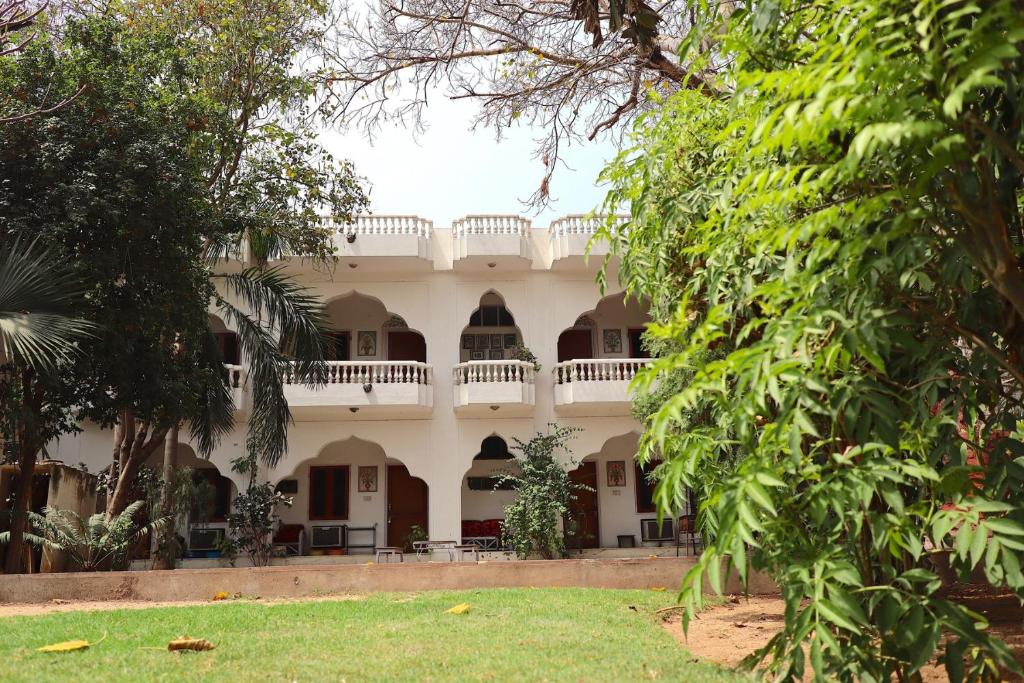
(450, 171)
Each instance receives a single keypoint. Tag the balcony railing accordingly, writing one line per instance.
(478, 371)
(490, 225)
(598, 370)
(368, 372)
(384, 225)
(595, 386)
(484, 386)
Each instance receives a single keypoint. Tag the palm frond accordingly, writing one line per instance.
(216, 414)
(37, 295)
(274, 304)
(270, 416)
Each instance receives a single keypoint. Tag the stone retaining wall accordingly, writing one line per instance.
(306, 581)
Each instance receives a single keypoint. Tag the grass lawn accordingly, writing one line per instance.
(570, 634)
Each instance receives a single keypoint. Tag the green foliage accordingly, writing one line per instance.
(190, 497)
(521, 352)
(543, 494)
(252, 521)
(833, 253)
(93, 543)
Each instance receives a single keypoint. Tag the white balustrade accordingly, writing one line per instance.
(480, 371)
(598, 370)
(383, 225)
(233, 375)
(368, 372)
(490, 225)
(580, 224)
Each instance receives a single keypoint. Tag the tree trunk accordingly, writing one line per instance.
(14, 562)
(134, 453)
(165, 560)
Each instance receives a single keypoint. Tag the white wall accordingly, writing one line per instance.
(437, 303)
(364, 509)
(489, 504)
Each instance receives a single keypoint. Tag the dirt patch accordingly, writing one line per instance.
(727, 633)
(37, 609)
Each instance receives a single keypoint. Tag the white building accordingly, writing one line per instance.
(423, 397)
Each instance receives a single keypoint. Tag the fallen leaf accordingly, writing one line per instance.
(461, 608)
(186, 643)
(658, 588)
(66, 646)
(222, 595)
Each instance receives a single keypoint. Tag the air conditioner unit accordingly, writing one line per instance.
(650, 530)
(328, 536)
(200, 538)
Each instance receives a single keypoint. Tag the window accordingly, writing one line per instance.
(328, 492)
(489, 484)
(644, 487)
(491, 316)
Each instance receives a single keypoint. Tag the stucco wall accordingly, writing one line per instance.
(437, 301)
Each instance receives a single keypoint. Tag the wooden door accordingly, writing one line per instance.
(584, 530)
(227, 342)
(339, 345)
(405, 345)
(636, 346)
(407, 504)
(573, 344)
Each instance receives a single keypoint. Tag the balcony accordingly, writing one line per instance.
(569, 239)
(370, 390)
(385, 242)
(494, 388)
(236, 384)
(483, 242)
(595, 386)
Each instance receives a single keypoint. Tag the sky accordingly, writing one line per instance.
(449, 171)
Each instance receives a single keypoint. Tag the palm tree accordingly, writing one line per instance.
(38, 334)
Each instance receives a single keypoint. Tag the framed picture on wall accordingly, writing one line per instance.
(497, 354)
(483, 341)
(366, 343)
(510, 341)
(468, 342)
(616, 473)
(612, 341)
(367, 479)
(477, 355)
(495, 341)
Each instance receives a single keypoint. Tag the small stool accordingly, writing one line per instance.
(389, 552)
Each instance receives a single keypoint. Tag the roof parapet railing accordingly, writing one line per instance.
(383, 225)
(490, 225)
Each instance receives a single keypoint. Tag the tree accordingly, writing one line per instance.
(547, 64)
(834, 253)
(544, 492)
(39, 339)
(17, 21)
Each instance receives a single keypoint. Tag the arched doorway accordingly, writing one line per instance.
(491, 334)
(613, 329)
(353, 483)
(362, 329)
(484, 495)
